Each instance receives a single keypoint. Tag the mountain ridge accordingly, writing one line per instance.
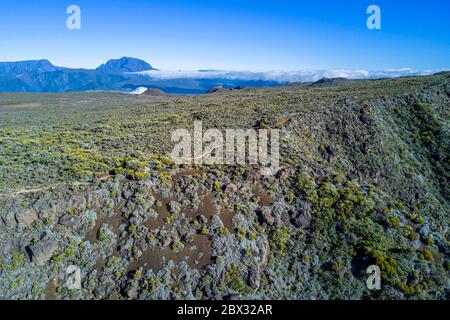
(121, 74)
(42, 65)
(43, 76)
(126, 74)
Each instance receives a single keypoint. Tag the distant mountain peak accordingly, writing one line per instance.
(125, 64)
(38, 66)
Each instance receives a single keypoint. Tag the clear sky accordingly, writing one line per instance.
(230, 34)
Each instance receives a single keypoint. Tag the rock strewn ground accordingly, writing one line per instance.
(364, 181)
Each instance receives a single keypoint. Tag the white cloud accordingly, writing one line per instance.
(286, 76)
(139, 90)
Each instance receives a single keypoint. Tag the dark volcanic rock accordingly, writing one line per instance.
(302, 217)
(266, 216)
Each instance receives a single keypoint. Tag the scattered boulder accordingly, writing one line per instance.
(367, 119)
(98, 198)
(266, 216)
(283, 174)
(26, 218)
(131, 291)
(5, 246)
(174, 207)
(70, 220)
(366, 110)
(254, 279)
(42, 251)
(202, 219)
(76, 202)
(9, 219)
(43, 208)
(302, 217)
(424, 230)
(231, 188)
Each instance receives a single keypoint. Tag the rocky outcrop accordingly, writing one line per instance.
(42, 251)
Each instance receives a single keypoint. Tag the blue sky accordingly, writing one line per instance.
(231, 34)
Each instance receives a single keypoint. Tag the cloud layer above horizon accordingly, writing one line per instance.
(285, 76)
